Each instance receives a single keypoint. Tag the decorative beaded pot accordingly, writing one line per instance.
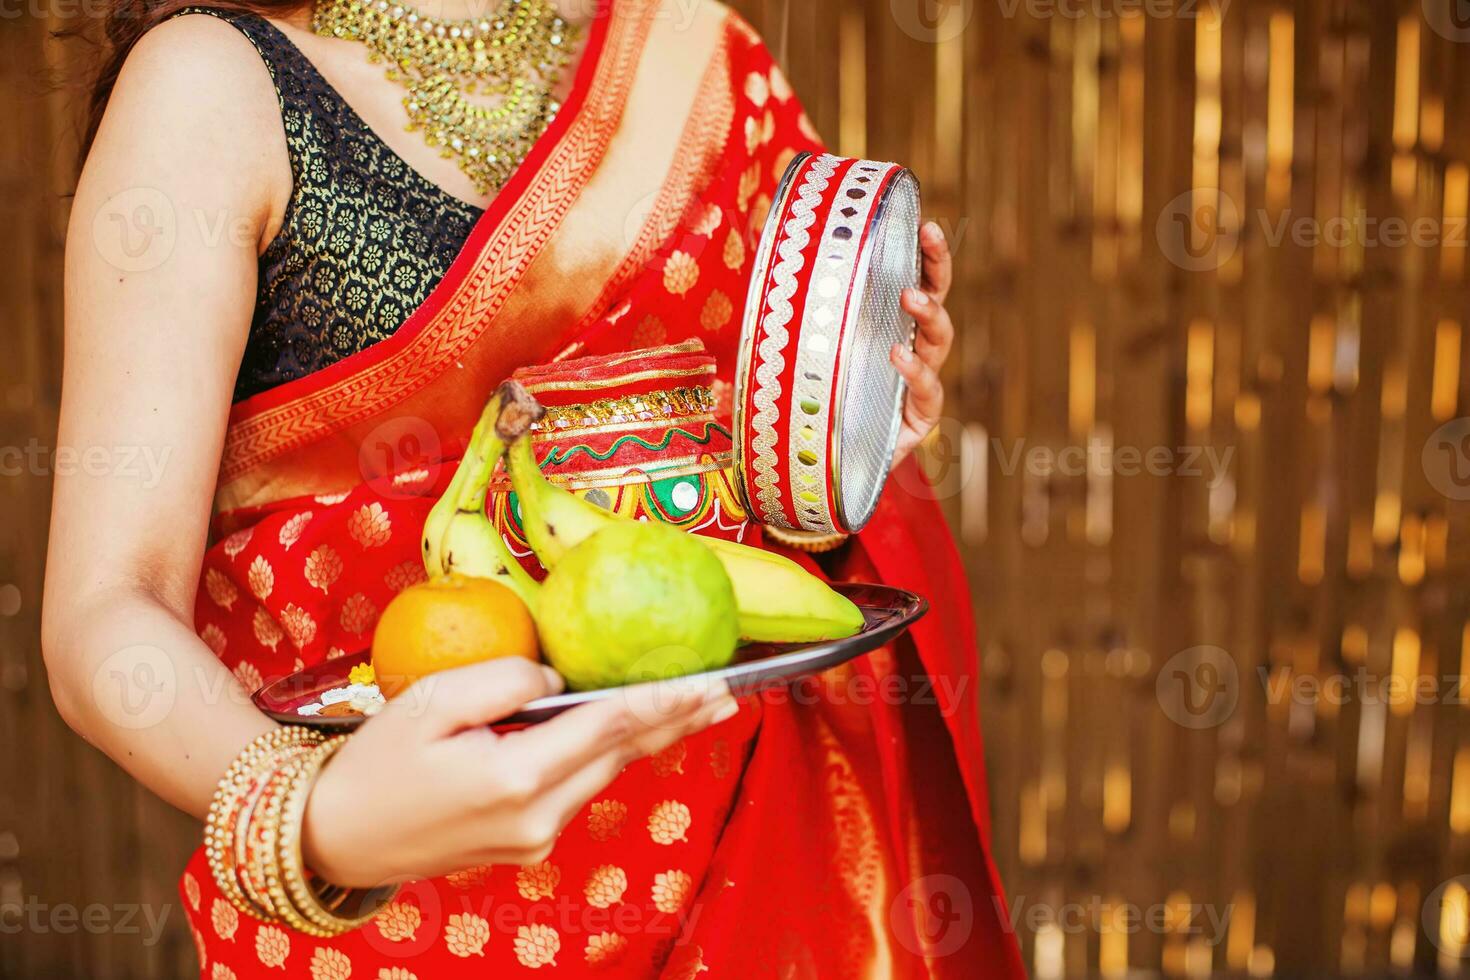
(635, 433)
(817, 404)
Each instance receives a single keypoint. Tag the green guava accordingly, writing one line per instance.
(637, 601)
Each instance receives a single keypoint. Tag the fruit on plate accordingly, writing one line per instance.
(449, 621)
(778, 600)
(634, 602)
(623, 600)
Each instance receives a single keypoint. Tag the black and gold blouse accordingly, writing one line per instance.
(365, 237)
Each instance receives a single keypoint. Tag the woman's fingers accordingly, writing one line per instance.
(938, 270)
(926, 393)
(626, 723)
(932, 341)
(935, 329)
(547, 773)
(469, 697)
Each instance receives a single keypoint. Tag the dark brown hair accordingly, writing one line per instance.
(126, 21)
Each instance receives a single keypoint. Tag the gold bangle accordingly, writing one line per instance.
(222, 822)
(262, 754)
(316, 901)
(269, 854)
(253, 846)
(226, 812)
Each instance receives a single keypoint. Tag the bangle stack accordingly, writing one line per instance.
(253, 838)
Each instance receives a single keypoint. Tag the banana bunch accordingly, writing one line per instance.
(458, 537)
(776, 599)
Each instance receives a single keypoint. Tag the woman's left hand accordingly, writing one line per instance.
(920, 368)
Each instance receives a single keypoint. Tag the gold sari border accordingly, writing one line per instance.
(601, 384)
(701, 146)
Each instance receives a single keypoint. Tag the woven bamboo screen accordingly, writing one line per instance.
(1206, 449)
(1204, 454)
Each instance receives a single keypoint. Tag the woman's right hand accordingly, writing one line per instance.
(426, 787)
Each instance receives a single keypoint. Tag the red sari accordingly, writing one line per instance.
(836, 830)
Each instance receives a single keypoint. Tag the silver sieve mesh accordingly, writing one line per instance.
(871, 391)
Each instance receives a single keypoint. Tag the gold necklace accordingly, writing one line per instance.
(515, 56)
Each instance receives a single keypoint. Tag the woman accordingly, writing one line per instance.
(299, 306)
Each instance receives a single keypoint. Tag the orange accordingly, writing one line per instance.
(448, 622)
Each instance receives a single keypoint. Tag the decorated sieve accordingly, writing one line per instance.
(817, 403)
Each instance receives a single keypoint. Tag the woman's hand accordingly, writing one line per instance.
(925, 401)
(426, 788)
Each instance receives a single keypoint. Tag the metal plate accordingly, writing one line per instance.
(887, 613)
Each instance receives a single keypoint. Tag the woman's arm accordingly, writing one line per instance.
(183, 185)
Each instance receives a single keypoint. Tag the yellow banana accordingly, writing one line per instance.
(458, 537)
(781, 602)
(777, 599)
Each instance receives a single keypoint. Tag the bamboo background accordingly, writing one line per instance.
(1130, 187)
